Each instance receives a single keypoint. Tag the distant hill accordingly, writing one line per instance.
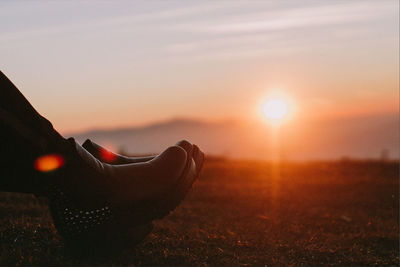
(359, 137)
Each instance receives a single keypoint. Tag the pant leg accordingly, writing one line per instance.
(24, 136)
(19, 148)
(13, 101)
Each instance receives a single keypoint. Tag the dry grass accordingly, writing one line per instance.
(244, 213)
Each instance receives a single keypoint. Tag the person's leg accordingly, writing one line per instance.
(105, 155)
(18, 150)
(25, 136)
(13, 101)
(73, 190)
(89, 172)
(83, 184)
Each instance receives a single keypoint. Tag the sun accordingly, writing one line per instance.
(275, 109)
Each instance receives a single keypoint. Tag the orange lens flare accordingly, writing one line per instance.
(107, 156)
(49, 162)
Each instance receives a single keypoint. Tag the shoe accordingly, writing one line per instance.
(182, 187)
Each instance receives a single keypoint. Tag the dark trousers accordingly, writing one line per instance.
(25, 135)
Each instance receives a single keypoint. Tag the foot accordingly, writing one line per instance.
(184, 184)
(105, 155)
(147, 180)
(138, 233)
(95, 201)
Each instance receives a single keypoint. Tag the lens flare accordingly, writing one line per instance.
(107, 156)
(48, 162)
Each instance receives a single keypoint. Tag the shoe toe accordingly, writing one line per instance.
(198, 157)
(186, 145)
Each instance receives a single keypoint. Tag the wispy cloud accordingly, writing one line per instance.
(312, 16)
(286, 18)
(275, 28)
(135, 19)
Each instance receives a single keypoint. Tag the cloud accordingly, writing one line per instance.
(242, 32)
(133, 20)
(287, 18)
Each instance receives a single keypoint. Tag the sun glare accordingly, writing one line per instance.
(275, 109)
(49, 162)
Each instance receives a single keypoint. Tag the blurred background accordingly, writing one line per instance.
(270, 80)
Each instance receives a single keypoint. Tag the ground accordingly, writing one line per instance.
(243, 213)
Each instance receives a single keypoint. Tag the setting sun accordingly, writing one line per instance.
(275, 109)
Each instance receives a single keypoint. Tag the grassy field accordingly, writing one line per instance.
(244, 214)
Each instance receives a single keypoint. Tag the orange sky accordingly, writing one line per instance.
(103, 65)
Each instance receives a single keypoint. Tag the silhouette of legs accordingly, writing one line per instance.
(92, 202)
(107, 156)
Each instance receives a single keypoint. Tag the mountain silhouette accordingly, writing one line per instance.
(358, 137)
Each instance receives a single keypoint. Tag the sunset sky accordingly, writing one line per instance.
(102, 64)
